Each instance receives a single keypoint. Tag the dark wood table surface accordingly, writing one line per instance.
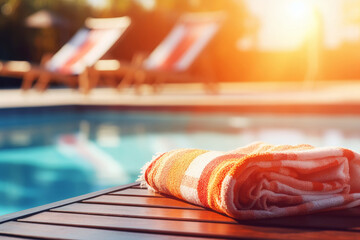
(129, 212)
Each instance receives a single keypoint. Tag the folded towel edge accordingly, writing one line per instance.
(141, 177)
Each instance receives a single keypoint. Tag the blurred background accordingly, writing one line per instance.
(49, 151)
(261, 40)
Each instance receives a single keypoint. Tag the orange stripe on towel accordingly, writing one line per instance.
(178, 169)
(202, 187)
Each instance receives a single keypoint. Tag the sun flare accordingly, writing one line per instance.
(285, 24)
(300, 19)
(299, 10)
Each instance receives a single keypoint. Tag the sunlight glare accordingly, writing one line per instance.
(297, 22)
(285, 24)
(300, 16)
(18, 66)
(107, 65)
(147, 4)
(97, 3)
(299, 10)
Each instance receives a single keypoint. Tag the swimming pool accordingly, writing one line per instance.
(52, 153)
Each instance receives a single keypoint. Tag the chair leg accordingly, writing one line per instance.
(139, 77)
(28, 79)
(211, 86)
(43, 82)
(84, 83)
(126, 80)
(93, 77)
(158, 84)
(73, 83)
(208, 74)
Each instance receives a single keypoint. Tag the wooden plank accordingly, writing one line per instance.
(27, 212)
(66, 232)
(141, 201)
(144, 212)
(138, 187)
(137, 192)
(346, 219)
(183, 228)
(320, 220)
(3, 237)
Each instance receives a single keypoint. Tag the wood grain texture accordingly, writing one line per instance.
(187, 228)
(66, 232)
(140, 201)
(27, 212)
(3, 237)
(342, 220)
(315, 221)
(138, 187)
(128, 212)
(184, 228)
(137, 192)
(145, 212)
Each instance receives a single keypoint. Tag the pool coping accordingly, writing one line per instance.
(280, 109)
(326, 98)
(339, 98)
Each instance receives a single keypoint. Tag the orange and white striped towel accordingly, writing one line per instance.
(260, 180)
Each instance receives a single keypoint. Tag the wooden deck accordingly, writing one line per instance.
(128, 212)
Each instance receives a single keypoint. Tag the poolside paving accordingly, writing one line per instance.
(175, 94)
(271, 96)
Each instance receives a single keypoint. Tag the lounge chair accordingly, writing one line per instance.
(84, 49)
(173, 57)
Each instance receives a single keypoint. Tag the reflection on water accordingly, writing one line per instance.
(50, 155)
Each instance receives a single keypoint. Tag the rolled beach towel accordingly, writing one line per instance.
(259, 180)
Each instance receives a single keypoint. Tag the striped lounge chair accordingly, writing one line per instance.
(84, 49)
(172, 58)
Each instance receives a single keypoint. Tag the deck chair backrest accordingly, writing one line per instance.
(183, 44)
(88, 45)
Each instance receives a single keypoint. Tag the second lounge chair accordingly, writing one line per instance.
(172, 58)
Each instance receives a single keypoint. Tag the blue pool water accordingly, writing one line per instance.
(52, 153)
